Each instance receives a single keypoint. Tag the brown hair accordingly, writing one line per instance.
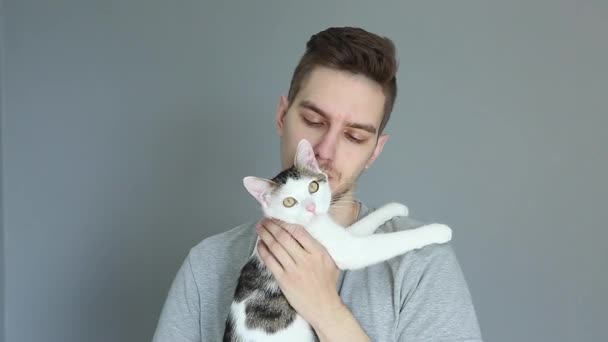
(354, 50)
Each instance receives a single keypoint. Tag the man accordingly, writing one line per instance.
(340, 99)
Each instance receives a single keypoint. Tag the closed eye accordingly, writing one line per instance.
(354, 139)
(313, 124)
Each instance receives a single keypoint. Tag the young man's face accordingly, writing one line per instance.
(340, 114)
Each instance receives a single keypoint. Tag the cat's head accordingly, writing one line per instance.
(296, 195)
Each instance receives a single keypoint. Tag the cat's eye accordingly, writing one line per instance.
(289, 202)
(313, 187)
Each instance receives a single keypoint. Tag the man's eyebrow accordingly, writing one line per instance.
(313, 107)
(365, 127)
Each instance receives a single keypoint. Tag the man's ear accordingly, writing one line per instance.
(377, 150)
(282, 107)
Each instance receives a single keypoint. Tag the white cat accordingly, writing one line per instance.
(301, 195)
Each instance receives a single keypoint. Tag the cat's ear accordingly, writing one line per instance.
(305, 157)
(259, 188)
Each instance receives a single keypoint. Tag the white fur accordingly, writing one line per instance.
(351, 248)
(356, 246)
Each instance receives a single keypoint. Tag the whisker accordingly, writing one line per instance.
(344, 201)
(338, 208)
(341, 206)
(340, 199)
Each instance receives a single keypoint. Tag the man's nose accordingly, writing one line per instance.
(326, 148)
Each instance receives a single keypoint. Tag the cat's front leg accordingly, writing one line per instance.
(373, 220)
(354, 252)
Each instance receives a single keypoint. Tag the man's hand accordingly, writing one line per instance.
(304, 270)
(307, 275)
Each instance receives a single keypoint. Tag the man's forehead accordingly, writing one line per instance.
(344, 95)
(358, 121)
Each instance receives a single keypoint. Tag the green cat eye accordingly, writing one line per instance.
(289, 202)
(313, 187)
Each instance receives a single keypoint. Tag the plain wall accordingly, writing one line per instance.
(1, 175)
(128, 125)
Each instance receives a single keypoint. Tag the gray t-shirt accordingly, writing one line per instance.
(419, 296)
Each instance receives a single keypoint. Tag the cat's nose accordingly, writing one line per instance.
(310, 207)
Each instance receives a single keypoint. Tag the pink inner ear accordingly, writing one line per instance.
(259, 188)
(312, 163)
(261, 197)
(265, 199)
(305, 156)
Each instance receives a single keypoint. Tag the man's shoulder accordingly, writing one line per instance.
(435, 256)
(431, 280)
(233, 246)
(400, 223)
(228, 237)
(412, 289)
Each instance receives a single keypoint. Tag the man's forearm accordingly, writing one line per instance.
(339, 325)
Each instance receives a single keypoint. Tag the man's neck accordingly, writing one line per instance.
(346, 210)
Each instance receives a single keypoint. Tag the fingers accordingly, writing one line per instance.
(281, 232)
(269, 260)
(303, 237)
(274, 245)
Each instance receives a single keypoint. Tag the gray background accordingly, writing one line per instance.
(128, 125)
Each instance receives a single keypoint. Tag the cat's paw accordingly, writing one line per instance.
(440, 233)
(396, 209)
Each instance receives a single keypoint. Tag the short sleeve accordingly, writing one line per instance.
(180, 317)
(436, 303)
